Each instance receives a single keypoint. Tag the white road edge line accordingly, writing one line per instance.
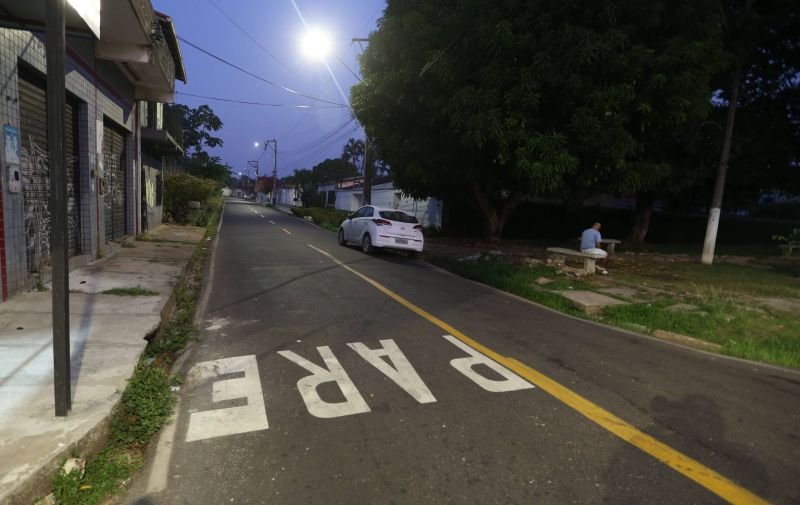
(159, 472)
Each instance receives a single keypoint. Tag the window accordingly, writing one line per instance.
(369, 212)
(400, 217)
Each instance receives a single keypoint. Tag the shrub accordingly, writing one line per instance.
(327, 218)
(180, 189)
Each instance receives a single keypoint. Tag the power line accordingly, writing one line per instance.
(247, 34)
(246, 102)
(314, 143)
(325, 146)
(240, 69)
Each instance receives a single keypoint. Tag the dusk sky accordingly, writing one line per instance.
(305, 136)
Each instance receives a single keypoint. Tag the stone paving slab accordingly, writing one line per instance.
(172, 233)
(590, 301)
(620, 291)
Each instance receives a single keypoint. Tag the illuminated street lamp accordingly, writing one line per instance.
(316, 44)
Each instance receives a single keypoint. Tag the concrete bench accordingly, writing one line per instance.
(560, 254)
(788, 249)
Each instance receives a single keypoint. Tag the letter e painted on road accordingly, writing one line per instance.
(231, 420)
(510, 381)
(353, 403)
(400, 370)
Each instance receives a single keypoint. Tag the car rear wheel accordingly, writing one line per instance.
(340, 237)
(366, 245)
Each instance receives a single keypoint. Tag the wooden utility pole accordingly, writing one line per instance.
(55, 49)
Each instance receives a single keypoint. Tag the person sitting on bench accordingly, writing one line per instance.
(590, 242)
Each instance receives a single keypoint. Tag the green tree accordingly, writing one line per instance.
(502, 100)
(207, 167)
(198, 127)
(333, 170)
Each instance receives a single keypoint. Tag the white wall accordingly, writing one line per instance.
(428, 211)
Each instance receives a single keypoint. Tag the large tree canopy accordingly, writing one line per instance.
(496, 100)
(198, 127)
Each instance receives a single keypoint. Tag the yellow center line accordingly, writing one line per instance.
(272, 222)
(689, 467)
(286, 231)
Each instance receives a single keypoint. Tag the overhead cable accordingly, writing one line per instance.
(237, 25)
(246, 102)
(267, 81)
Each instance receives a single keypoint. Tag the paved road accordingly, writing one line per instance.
(319, 382)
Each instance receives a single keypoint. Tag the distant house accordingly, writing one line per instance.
(349, 195)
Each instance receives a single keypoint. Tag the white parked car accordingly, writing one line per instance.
(375, 227)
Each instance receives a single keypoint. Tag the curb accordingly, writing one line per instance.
(677, 342)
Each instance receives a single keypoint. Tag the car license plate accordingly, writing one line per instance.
(401, 241)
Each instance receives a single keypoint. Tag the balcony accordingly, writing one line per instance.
(140, 41)
(162, 132)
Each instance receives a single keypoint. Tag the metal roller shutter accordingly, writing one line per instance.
(115, 199)
(35, 171)
(72, 164)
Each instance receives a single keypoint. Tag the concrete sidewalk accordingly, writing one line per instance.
(107, 334)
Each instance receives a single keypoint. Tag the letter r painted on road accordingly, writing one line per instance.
(353, 404)
(231, 420)
(400, 370)
(510, 381)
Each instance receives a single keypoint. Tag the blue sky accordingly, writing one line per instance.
(276, 26)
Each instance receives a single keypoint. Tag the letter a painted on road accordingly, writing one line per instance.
(353, 403)
(510, 382)
(400, 370)
(231, 420)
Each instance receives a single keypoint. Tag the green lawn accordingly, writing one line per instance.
(724, 312)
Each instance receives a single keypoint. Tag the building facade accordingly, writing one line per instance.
(106, 81)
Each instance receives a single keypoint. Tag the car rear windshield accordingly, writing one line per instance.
(400, 217)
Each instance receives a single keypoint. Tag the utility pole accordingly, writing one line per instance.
(367, 167)
(274, 142)
(255, 186)
(55, 39)
(367, 173)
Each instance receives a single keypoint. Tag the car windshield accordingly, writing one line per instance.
(398, 216)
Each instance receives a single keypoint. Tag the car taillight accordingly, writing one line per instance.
(418, 227)
(382, 222)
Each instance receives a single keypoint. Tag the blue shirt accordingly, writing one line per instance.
(590, 238)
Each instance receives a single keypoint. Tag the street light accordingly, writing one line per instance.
(316, 44)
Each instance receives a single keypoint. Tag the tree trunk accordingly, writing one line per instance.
(712, 225)
(641, 219)
(494, 218)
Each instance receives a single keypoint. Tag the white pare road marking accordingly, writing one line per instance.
(400, 370)
(272, 222)
(353, 404)
(510, 382)
(231, 420)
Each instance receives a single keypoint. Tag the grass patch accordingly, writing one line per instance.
(515, 278)
(330, 219)
(724, 314)
(130, 291)
(761, 335)
(147, 401)
(127, 245)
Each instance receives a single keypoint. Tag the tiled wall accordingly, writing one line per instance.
(102, 91)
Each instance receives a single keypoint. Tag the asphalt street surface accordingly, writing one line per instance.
(325, 376)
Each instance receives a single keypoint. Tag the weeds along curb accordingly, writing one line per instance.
(147, 402)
